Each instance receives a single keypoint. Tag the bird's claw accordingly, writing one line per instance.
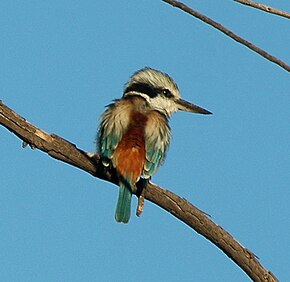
(140, 206)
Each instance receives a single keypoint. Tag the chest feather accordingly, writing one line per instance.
(130, 154)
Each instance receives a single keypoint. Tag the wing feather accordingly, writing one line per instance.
(157, 136)
(114, 123)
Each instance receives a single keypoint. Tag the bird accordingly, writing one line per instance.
(134, 132)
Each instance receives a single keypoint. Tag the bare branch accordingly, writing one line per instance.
(229, 33)
(67, 152)
(265, 8)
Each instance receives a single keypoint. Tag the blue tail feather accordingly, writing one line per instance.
(123, 210)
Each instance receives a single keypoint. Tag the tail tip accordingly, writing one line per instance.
(122, 219)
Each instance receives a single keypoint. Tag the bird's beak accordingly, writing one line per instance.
(188, 107)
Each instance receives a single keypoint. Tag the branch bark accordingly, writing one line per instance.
(264, 8)
(67, 152)
(229, 33)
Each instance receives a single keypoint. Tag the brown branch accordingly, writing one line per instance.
(229, 33)
(265, 8)
(67, 152)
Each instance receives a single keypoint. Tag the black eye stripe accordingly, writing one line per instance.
(142, 88)
(148, 90)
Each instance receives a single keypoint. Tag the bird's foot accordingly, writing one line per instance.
(141, 195)
(140, 206)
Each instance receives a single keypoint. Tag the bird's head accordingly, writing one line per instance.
(160, 91)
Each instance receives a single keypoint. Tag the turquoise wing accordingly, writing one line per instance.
(114, 123)
(154, 158)
(157, 138)
(109, 140)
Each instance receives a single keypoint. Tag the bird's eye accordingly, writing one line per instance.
(166, 93)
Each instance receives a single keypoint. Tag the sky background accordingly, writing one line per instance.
(62, 61)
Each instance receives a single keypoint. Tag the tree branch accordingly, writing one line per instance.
(265, 8)
(229, 33)
(67, 152)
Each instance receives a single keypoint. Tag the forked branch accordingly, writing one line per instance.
(229, 33)
(67, 152)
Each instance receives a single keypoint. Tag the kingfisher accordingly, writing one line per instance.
(134, 132)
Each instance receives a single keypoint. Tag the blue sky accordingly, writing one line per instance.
(63, 61)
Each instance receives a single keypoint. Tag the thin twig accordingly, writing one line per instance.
(229, 33)
(265, 8)
(67, 152)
